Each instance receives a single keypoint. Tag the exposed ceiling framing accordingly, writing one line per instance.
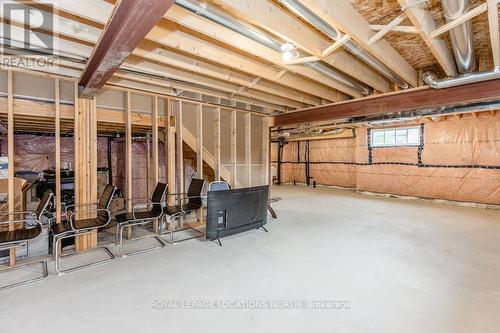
(185, 52)
(130, 22)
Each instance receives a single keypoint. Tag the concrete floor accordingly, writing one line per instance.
(403, 266)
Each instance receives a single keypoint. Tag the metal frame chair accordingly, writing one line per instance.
(136, 218)
(15, 237)
(73, 227)
(188, 203)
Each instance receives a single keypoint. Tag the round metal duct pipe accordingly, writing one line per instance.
(304, 12)
(461, 36)
(209, 12)
(434, 82)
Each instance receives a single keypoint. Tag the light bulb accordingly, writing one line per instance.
(287, 56)
(287, 47)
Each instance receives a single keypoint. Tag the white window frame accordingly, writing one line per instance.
(396, 144)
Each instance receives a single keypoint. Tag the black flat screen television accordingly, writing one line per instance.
(233, 211)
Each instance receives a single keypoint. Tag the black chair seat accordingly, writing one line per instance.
(188, 208)
(64, 226)
(171, 210)
(20, 235)
(126, 217)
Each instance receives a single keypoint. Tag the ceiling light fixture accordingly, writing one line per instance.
(288, 51)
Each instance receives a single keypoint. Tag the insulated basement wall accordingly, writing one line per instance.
(459, 159)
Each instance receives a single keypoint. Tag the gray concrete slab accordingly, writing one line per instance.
(403, 266)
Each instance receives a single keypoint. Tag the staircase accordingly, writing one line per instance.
(190, 155)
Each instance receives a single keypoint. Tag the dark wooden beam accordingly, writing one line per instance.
(129, 24)
(408, 100)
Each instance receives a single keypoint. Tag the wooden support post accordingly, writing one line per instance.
(421, 78)
(148, 167)
(233, 148)
(58, 149)
(248, 147)
(170, 150)
(483, 66)
(155, 160)
(11, 158)
(199, 140)
(266, 150)
(199, 150)
(128, 157)
(180, 150)
(154, 157)
(217, 165)
(85, 162)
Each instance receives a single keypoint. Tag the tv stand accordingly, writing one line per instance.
(264, 228)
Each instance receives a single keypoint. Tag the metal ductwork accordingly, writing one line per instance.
(209, 12)
(461, 36)
(304, 12)
(434, 82)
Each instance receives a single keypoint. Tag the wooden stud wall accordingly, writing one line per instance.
(170, 150)
(86, 164)
(180, 150)
(11, 157)
(217, 125)
(84, 118)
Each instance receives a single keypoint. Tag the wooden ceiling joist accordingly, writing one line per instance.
(423, 21)
(459, 20)
(342, 15)
(172, 56)
(297, 99)
(400, 28)
(168, 34)
(266, 15)
(494, 31)
(395, 103)
(130, 22)
(391, 25)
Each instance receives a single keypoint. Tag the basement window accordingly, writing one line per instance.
(395, 137)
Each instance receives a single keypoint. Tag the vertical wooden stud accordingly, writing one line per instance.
(266, 150)
(170, 149)
(155, 160)
(199, 140)
(199, 151)
(248, 147)
(154, 157)
(86, 162)
(58, 149)
(128, 157)
(217, 165)
(233, 148)
(180, 150)
(11, 157)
